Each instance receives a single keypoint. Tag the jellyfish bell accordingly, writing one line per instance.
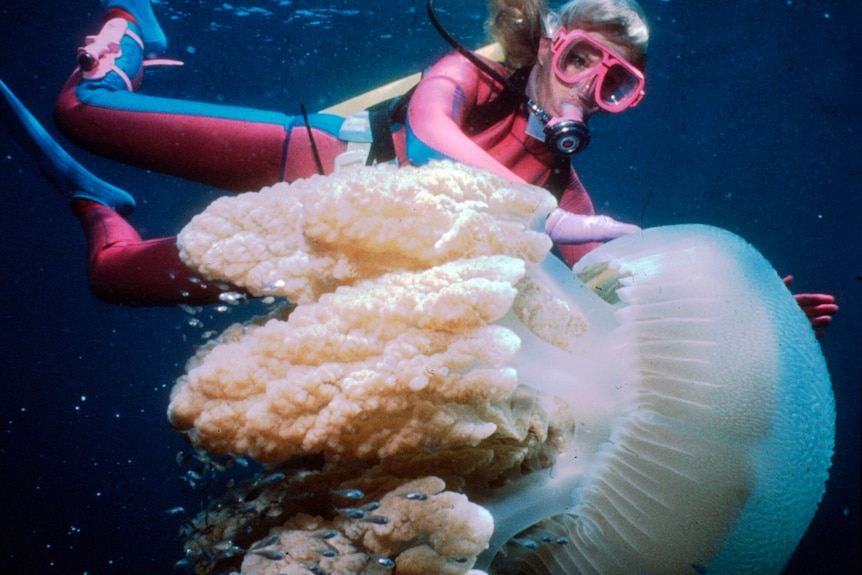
(705, 416)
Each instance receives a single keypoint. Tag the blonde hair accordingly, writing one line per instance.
(519, 25)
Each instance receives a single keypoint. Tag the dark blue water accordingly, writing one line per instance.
(751, 123)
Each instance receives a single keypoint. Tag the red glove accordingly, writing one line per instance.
(818, 307)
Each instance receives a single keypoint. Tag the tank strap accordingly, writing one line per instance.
(561, 173)
(483, 116)
(383, 117)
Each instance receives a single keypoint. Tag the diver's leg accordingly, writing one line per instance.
(233, 148)
(124, 269)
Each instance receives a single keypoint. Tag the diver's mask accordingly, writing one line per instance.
(614, 85)
(579, 59)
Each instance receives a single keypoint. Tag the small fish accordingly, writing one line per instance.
(181, 458)
(231, 297)
(265, 542)
(417, 496)
(175, 510)
(352, 512)
(185, 562)
(329, 534)
(373, 506)
(528, 543)
(188, 480)
(376, 519)
(244, 510)
(349, 493)
(270, 479)
(329, 552)
(231, 551)
(699, 568)
(271, 554)
(188, 309)
(385, 562)
(194, 475)
(274, 511)
(223, 545)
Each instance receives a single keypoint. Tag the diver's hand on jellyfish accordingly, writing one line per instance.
(819, 308)
(637, 414)
(568, 228)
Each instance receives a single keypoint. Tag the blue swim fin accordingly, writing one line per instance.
(72, 179)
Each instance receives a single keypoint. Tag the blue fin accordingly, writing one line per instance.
(72, 179)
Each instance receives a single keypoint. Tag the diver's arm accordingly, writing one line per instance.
(439, 108)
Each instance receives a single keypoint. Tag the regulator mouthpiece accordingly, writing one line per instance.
(567, 135)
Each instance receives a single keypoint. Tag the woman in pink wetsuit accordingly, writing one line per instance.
(456, 112)
(522, 118)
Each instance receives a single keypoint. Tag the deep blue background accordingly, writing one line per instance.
(751, 123)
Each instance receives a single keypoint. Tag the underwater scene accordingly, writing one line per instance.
(116, 461)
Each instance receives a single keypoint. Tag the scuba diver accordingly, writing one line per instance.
(523, 118)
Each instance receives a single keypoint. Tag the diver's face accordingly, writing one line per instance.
(549, 92)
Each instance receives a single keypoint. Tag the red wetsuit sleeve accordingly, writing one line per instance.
(440, 106)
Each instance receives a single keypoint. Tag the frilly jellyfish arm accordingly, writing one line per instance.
(705, 418)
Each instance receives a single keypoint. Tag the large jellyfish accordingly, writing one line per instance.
(662, 408)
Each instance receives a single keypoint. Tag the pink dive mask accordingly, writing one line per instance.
(579, 57)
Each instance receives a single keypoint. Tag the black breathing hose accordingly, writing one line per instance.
(476, 61)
